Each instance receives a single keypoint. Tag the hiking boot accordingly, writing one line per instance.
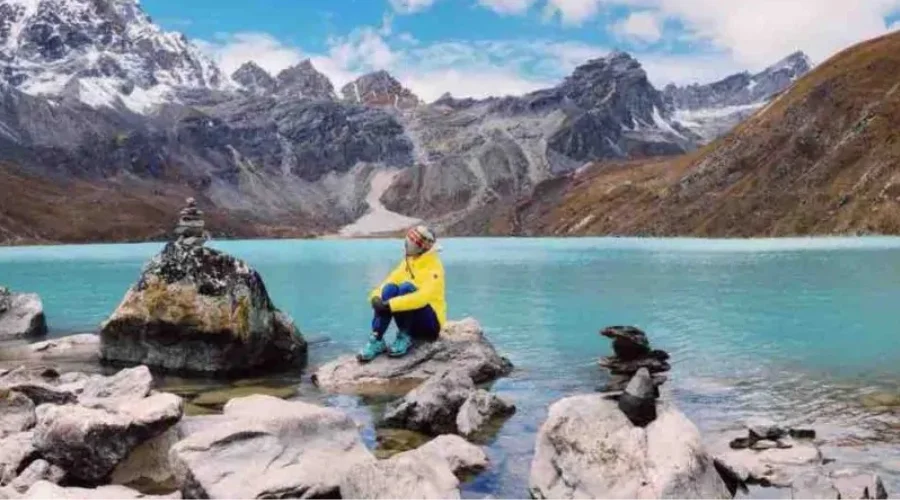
(371, 350)
(401, 345)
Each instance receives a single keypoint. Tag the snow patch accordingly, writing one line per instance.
(662, 124)
(687, 115)
(378, 219)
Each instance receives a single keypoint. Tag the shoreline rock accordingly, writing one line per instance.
(196, 310)
(462, 346)
(21, 315)
(587, 448)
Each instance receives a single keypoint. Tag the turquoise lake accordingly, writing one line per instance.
(796, 329)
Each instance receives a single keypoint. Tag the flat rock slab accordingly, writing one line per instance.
(82, 346)
(587, 448)
(461, 346)
(46, 489)
(265, 447)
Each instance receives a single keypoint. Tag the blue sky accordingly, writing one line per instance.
(490, 47)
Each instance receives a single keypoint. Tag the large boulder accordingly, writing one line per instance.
(21, 315)
(46, 489)
(265, 447)
(462, 346)
(432, 407)
(195, 309)
(90, 442)
(587, 448)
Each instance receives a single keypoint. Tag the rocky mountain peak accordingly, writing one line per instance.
(304, 80)
(104, 46)
(254, 79)
(379, 88)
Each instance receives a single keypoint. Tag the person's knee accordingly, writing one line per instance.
(389, 291)
(406, 288)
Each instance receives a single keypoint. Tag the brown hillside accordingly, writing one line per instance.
(47, 211)
(823, 158)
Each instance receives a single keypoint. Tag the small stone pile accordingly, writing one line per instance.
(636, 371)
(190, 229)
(764, 435)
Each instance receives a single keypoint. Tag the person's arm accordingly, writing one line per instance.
(430, 284)
(394, 277)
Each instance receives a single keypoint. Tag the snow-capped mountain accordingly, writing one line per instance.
(712, 109)
(93, 90)
(101, 52)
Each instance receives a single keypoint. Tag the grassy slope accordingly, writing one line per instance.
(823, 158)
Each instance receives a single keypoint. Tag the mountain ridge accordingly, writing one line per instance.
(288, 147)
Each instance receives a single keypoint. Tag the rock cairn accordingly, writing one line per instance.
(190, 230)
(636, 371)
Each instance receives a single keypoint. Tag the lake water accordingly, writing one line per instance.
(796, 329)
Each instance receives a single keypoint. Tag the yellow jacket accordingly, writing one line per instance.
(425, 272)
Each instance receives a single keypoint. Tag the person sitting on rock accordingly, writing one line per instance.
(412, 295)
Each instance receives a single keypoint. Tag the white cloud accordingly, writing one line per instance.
(573, 12)
(759, 32)
(507, 7)
(231, 51)
(642, 26)
(411, 6)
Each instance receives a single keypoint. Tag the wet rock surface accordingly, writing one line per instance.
(462, 346)
(198, 310)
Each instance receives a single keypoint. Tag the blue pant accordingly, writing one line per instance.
(421, 324)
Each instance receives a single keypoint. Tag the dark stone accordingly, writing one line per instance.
(617, 366)
(802, 433)
(740, 443)
(638, 402)
(629, 343)
(732, 480)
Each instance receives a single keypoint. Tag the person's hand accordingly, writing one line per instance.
(380, 306)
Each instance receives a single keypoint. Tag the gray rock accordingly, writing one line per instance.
(430, 471)
(16, 452)
(268, 447)
(90, 442)
(83, 346)
(379, 89)
(776, 466)
(196, 309)
(21, 315)
(462, 346)
(638, 402)
(814, 484)
(432, 407)
(628, 342)
(587, 448)
(762, 428)
(46, 489)
(304, 80)
(855, 484)
(39, 470)
(16, 413)
(128, 384)
(148, 462)
(479, 409)
(400, 477)
(38, 389)
(460, 456)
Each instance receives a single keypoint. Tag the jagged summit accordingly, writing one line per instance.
(105, 52)
(304, 80)
(254, 79)
(379, 88)
(710, 109)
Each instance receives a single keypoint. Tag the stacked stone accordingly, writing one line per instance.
(636, 371)
(190, 229)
